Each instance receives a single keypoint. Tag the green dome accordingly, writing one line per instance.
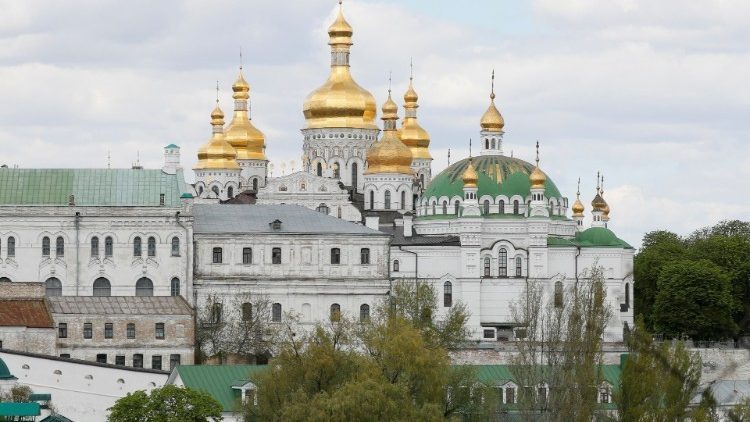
(600, 236)
(4, 372)
(498, 175)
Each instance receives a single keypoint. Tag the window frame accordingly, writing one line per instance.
(159, 331)
(95, 247)
(156, 362)
(151, 247)
(62, 330)
(217, 255)
(174, 287)
(335, 256)
(276, 312)
(88, 331)
(11, 253)
(519, 266)
(502, 263)
(276, 256)
(130, 331)
(364, 256)
(108, 247)
(60, 246)
(335, 312)
(364, 312)
(175, 246)
(100, 289)
(247, 256)
(447, 294)
(137, 247)
(137, 360)
(108, 330)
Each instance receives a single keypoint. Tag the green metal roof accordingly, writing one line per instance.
(217, 380)
(91, 187)
(594, 237)
(498, 175)
(5, 372)
(56, 418)
(40, 397)
(500, 374)
(172, 146)
(19, 409)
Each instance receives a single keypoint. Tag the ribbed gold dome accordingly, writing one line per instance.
(492, 120)
(217, 153)
(537, 178)
(578, 207)
(411, 133)
(340, 102)
(389, 154)
(245, 138)
(598, 203)
(470, 176)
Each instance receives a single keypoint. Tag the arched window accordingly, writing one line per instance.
(447, 294)
(493, 143)
(60, 246)
(230, 192)
(108, 247)
(174, 287)
(200, 190)
(11, 246)
(335, 256)
(364, 312)
(336, 171)
(395, 265)
(4, 280)
(335, 312)
(515, 207)
(255, 184)
(319, 169)
(403, 199)
(387, 200)
(445, 207)
(519, 266)
(45, 246)
(502, 262)
(372, 199)
(486, 206)
(558, 294)
(144, 287)
(94, 247)
(215, 190)
(501, 207)
(456, 206)
(247, 311)
(53, 287)
(364, 256)
(137, 246)
(175, 246)
(487, 270)
(151, 246)
(433, 208)
(421, 180)
(354, 176)
(627, 296)
(322, 208)
(216, 313)
(486, 144)
(102, 287)
(276, 312)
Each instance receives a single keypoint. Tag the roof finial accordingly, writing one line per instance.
(389, 82)
(578, 189)
(109, 160)
(411, 69)
(492, 92)
(240, 57)
(597, 182)
(602, 192)
(217, 92)
(537, 153)
(469, 147)
(449, 156)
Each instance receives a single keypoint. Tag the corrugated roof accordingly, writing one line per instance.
(230, 218)
(119, 305)
(217, 380)
(31, 313)
(90, 187)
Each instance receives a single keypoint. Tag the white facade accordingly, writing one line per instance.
(389, 191)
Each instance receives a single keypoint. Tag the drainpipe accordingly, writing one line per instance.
(77, 224)
(188, 266)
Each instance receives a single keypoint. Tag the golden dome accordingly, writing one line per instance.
(245, 138)
(537, 177)
(389, 154)
(492, 120)
(578, 208)
(598, 203)
(217, 153)
(411, 133)
(340, 102)
(470, 176)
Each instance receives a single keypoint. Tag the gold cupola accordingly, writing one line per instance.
(578, 205)
(492, 120)
(389, 154)
(340, 102)
(411, 133)
(598, 203)
(537, 177)
(470, 176)
(217, 153)
(245, 138)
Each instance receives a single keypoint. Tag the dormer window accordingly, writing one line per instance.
(276, 225)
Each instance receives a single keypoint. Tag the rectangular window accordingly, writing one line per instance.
(108, 330)
(276, 256)
(101, 358)
(120, 360)
(519, 262)
(364, 256)
(335, 256)
(65, 355)
(137, 360)
(108, 247)
(174, 360)
(247, 256)
(130, 330)
(159, 331)
(217, 256)
(152, 246)
(87, 330)
(510, 395)
(62, 330)
(156, 362)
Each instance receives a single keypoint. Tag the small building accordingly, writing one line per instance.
(25, 321)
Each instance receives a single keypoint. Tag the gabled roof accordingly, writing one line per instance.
(32, 313)
(119, 305)
(239, 219)
(218, 380)
(90, 187)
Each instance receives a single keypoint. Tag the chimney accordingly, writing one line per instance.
(171, 159)
(372, 221)
(408, 224)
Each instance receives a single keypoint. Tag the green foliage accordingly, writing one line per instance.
(740, 412)
(167, 404)
(18, 393)
(657, 380)
(694, 299)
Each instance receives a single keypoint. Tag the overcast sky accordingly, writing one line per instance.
(653, 93)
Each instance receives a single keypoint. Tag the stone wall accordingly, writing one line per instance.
(21, 290)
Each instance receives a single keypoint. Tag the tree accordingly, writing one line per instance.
(658, 380)
(659, 248)
(694, 299)
(167, 404)
(740, 412)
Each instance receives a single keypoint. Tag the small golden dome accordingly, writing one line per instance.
(492, 120)
(598, 203)
(340, 102)
(389, 154)
(411, 133)
(245, 138)
(537, 178)
(578, 208)
(470, 176)
(217, 153)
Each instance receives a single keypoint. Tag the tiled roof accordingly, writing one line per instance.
(217, 380)
(32, 313)
(119, 305)
(228, 218)
(90, 187)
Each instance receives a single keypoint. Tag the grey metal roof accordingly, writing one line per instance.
(726, 392)
(231, 218)
(119, 305)
(419, 240)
